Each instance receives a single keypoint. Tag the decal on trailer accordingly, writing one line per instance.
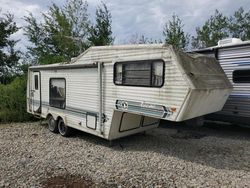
(146, 109)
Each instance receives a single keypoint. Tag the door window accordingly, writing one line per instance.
(36, 82)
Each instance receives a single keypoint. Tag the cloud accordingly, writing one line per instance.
(149, 17)
(20, 9)
(130, 17)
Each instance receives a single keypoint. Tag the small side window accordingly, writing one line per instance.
(241, 76)
(57, 92)
(36, 82)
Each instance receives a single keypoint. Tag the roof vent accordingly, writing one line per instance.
(229, 41)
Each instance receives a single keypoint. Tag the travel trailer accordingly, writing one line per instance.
(115, 91)
(234, 57)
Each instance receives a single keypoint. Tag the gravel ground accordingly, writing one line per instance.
(213, 156)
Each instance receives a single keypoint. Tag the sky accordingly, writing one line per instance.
(131, 17)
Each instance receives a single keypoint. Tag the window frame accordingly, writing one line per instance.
(151, 61)
(240, 82)
(58, 78)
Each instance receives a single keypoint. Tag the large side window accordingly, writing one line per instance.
(148, 73)
(57, 93)
(241, 76)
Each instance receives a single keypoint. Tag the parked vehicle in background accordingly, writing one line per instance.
(115, 91)
(234, 57)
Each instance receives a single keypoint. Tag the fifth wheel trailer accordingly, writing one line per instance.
(234, 57)
(115, 91)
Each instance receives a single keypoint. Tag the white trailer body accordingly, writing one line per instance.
(234, 57)
(115, 91)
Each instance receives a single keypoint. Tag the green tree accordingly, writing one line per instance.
(61, 35)
(142, 39)
(240, 24)
(9, 57)
(101, 32)
(214, 29)
(13, 101)
(174, 33)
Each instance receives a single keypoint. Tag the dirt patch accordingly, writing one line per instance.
(68, 181)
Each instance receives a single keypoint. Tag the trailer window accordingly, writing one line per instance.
(36, 82)
(57, 92)
(148, 73)
(241, 76)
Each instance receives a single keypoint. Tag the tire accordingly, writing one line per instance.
(52, 124)
(64, 130)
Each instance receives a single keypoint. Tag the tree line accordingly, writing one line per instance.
(66, 31)
(215, 28)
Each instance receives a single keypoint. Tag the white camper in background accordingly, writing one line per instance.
(115, 91)
(234, 58)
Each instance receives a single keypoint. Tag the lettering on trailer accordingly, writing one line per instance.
(144, 108)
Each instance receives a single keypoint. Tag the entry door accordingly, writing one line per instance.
(36, 92)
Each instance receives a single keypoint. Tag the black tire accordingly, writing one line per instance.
(64, 130)
(52, 124)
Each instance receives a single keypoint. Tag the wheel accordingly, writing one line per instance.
(64, 130)
(52, 124)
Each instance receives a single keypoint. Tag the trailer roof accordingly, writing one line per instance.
(128, 46)
(243, 43)
(63, 65)
(71, 64)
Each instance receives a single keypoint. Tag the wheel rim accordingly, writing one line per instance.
(62, 128)
(51, 123)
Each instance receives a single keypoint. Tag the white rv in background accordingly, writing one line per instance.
(115, 91)
(234, 57)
